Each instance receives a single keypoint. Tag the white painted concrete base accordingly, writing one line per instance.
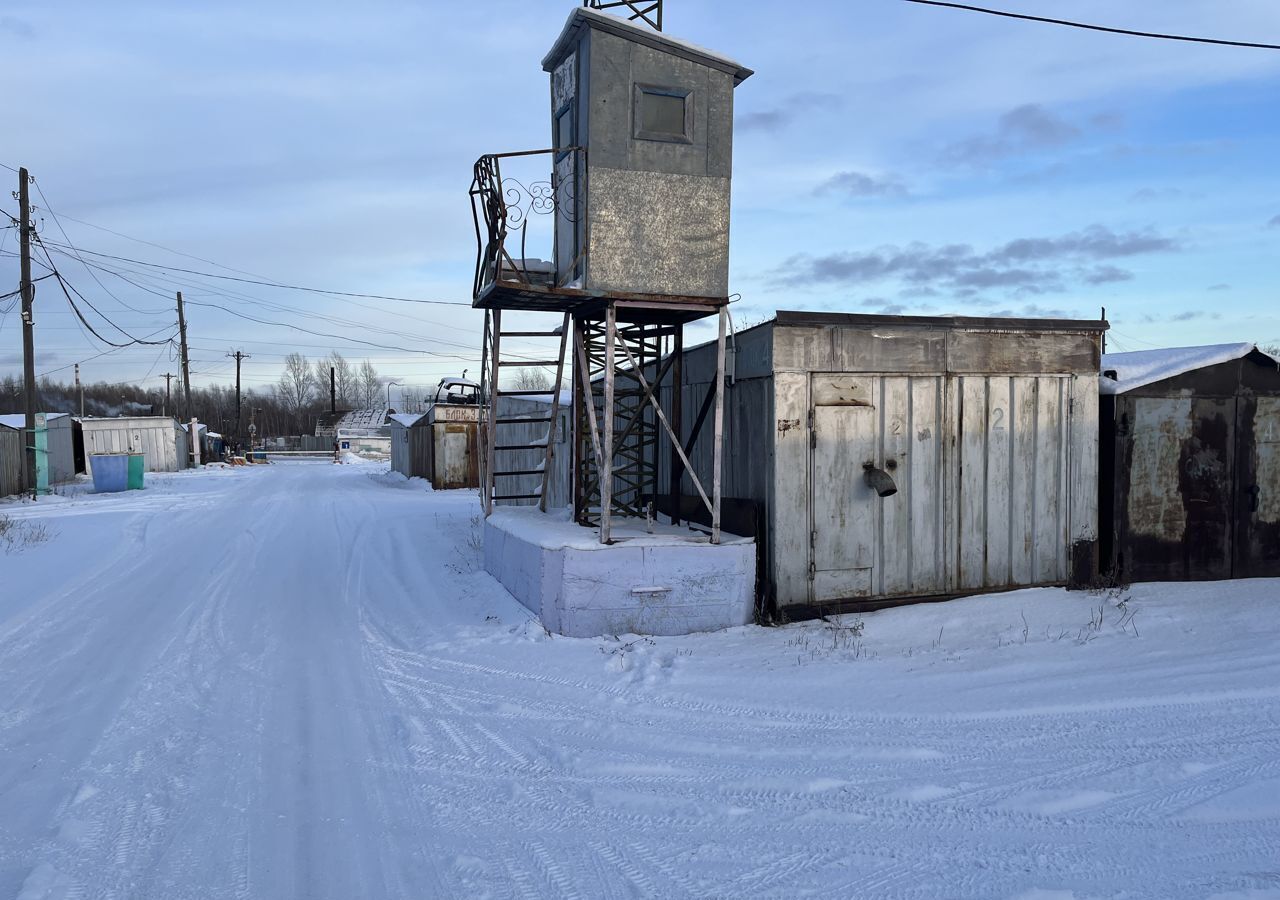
(653, 584)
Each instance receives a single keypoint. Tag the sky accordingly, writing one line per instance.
(888, 157)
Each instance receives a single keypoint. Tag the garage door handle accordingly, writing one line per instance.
(1254, 492)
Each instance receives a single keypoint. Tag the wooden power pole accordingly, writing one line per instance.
(27, 288)
(168, 376)
(186, 366)
(238, 357)
(80, 390)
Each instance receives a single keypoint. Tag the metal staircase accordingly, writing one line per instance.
(496, 469)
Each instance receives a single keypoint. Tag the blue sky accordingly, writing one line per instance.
(888, 157)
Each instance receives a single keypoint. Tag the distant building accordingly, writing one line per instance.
(366, 432)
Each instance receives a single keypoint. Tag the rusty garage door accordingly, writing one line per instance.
(1177, 516)
(1257, 537)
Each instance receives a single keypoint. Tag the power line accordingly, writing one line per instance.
(138, 240)
(275, 284)
(64, 284)
(95, 356)
(279, 307)
(1104, 28)
(65, 237)
(309, 331)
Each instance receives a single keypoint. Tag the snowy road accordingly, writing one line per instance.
(292, 682)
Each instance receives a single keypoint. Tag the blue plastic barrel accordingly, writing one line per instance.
(110, 472)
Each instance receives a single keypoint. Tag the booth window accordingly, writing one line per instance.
(663, 114)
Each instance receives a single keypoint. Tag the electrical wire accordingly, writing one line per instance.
(49, 209)
(81, 362)
(1109, 30)
(311, 314)
(65, 285)
(276, 284)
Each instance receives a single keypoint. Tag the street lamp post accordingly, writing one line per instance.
(389, 383)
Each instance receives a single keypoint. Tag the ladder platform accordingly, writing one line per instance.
(521, 421)
(632, 306)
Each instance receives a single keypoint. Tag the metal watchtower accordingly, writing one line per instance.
(638, 205)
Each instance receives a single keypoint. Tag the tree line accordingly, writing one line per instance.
(290, 406)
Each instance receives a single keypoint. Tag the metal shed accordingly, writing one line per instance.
(160, 439)
(451, 435)
(410, 455)
(61, 443)
(1190, 463)
(12, 464)
(981, 434)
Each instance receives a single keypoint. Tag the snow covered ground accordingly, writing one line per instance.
(293, 681)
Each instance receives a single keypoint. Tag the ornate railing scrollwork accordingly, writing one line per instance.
(502, 208)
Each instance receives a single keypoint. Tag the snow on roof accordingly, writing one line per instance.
(374, 417)
(19, 420)
(642, 34)
(405, 419)
(1126, 371)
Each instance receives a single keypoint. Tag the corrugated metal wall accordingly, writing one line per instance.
(11, 462)
(62, 459)
(989, 432)
(401, 458)
(162, 443)
(559, 491)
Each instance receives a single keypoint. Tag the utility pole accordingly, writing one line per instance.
(27, 289)
(186, 367)
(80, 390)
(167, 402)
(333, 392)
(238, 356)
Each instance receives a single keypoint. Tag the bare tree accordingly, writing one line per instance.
(295, 388)
(531, 380)
(345, 381)
(369, 385)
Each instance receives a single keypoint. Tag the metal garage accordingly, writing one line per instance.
(59, 437)
(160, 439)
(1190, 484)
(899, 458)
